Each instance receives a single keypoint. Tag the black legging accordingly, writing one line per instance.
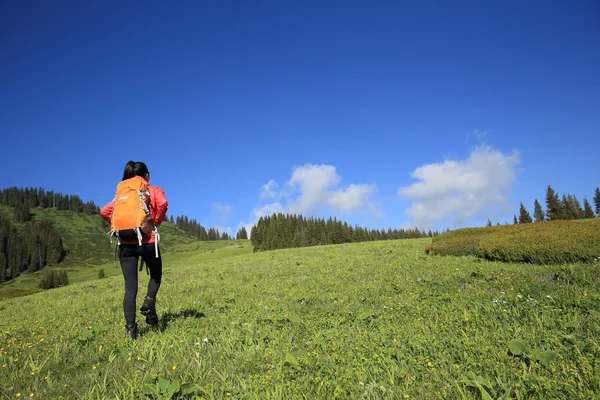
(129, 254)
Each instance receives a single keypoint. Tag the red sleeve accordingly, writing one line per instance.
(158, 204)
(106, 211)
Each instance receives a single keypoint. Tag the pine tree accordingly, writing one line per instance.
(22, 213)
(524, 216)
(565, 208)
(538, 213)
(489, 223)
(255, 240)
(587, 209)
(46, 279)
(242, 233)
(2, 267)
(515, 221)
(575, 207)
(597, 201)
(553, 205)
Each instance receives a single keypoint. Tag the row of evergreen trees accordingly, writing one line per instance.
(242, 233)
(194, 228)
(280, 231)
(30, 248)
(559, 207)
(27, 198)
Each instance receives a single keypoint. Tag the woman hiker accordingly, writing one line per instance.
(138, 242)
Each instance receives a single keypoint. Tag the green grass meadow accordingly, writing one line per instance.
(377, 320)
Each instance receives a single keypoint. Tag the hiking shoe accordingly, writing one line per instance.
(132, 331)
(149, 311)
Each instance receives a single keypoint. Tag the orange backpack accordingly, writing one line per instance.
(131, 217)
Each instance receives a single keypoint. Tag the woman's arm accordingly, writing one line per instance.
(159, 204)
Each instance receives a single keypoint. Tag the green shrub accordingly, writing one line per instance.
(52, 278)
(552, 242)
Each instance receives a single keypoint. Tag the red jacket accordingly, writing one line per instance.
(158, 211)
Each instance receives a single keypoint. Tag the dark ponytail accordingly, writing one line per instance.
(140, 169)
(128, 173)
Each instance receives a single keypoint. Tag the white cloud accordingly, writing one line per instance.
(268, 209)
(313, 182)
(351, 198)
(312, 188)
(270, 190)
(316, 186)
(223, 210)
(457, 191)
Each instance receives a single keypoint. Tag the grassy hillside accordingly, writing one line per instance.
(540, 243)
(89, 249)
(377, 320)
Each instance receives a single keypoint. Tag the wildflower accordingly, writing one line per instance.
(100, 348)
(205, 340)
(18, 394)
(548, 296)
(174, 367)
(31, 395)
(406, 396)
(429, 364)
(32, 372)
(93, 367)
(519, 295)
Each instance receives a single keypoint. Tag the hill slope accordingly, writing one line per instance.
(550, 242)
(88, 247)
(365, 320)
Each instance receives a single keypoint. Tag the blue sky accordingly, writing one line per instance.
(382, 114)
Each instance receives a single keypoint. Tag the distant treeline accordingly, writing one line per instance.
(558, 207)
(23, 199)
(280, 231)
(192, 227)
(29, 249)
